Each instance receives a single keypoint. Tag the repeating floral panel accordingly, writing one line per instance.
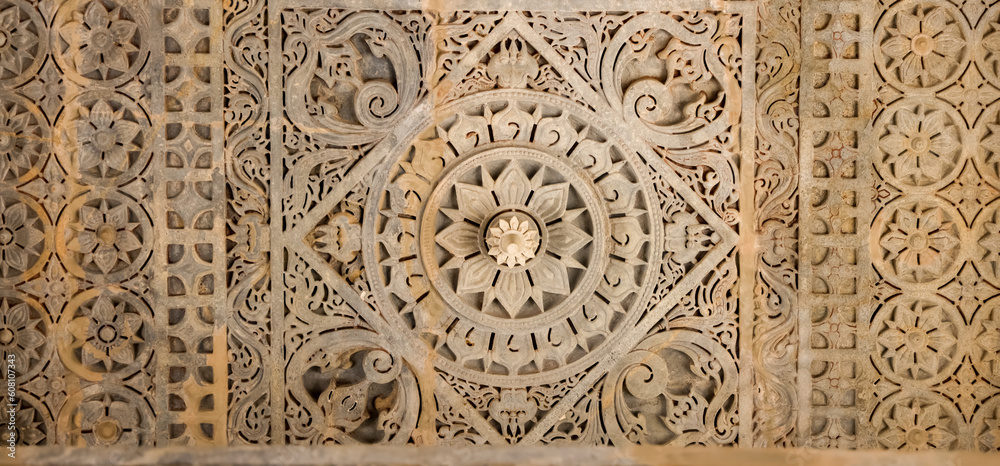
(934, 233)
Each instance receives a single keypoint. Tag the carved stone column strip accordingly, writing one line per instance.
(247, 169)
(933, 335)
(192, 224)
(275, 177)
(32, 187)
(835, 287)
(772, 334)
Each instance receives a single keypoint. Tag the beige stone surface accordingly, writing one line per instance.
(562, 225)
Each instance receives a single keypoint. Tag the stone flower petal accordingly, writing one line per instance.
(17, 316)
(105, 257)
(566, 239)
(907, 24)
(550, 275)
(123, 30)
(96, 16)
(475, 275)
(116, 158)
(30, 339)
(102, 115)
(118, 216)
(513, 290)
(87, 60)
(103, 310)
(549, 202)
(116, 59)
(91, 411)
(126, 241)
(15, 258)
(126, 131)
(475, 202)
(935, 21)
(512, 186)
(896, 47)
(15, 216)
(460, 239)
(909, 69)
(949, 42)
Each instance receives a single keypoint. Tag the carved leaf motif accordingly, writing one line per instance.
(513, 291)
(475, 202)
(460, 239)
(551, 276)
(549, 202)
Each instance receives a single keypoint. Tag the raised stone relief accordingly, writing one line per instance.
(761, 223)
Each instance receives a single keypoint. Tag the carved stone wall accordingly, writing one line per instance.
(269, 222)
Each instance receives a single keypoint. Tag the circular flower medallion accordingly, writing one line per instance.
(513, 237)
(504, 226)
(920, 144)
(986, 426)
(25, 241)
(986, 342)
(103, 239)
(24, 139)
(105, 332)
(99, 41)
(917, 242)
(104, 416)
(988, 44)
(107, 138)
(987, 154)
(923, 422)
(24, 333)
(922, 44)
(986, 247)
(23, 43)
(920, 339)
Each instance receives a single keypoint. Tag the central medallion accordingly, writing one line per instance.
(513, 237)
(512, 241)
(522, 230)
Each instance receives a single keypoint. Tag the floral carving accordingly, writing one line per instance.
(103, 237)
(986, 347)
(113, 416)
(920, 147)
(917, 424)
(105, 332)
(23, 140)
(916, 241)
(22, 43)
(988, 154)
(918, 339)
(100, 40)
(109, 136)
(988, 41)
(23, 237)
(923, 44)
(503, 223)
(23, 330)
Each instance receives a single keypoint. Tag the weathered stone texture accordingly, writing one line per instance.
(250, 222)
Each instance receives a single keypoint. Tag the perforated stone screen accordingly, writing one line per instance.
(315, 222)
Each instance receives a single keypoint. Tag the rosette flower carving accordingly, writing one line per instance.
(101, 41)
(923, 43)
(106, 236)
